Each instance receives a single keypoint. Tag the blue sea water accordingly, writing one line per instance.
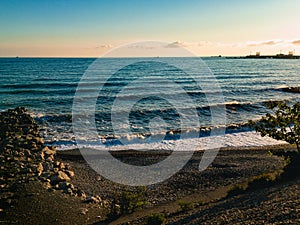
(46, 86)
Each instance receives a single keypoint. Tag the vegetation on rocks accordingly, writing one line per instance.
(185, 206)
(156, 219)
(283, 124)
(128, 202)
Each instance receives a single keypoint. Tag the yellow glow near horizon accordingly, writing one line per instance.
(205, 27)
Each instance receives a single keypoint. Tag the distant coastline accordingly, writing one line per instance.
(259, 56)
(256, 56)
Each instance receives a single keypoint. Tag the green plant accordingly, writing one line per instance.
(156, 219)
(185, 206)
(270, 153)
(283, 124)
(128, 201)
(264, 180)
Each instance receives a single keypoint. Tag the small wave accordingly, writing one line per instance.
(233, 105)
(39, 85)
(62, 138)
(281, 86)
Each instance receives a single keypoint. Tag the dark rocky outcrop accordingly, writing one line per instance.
(291, 89)
(24, 158)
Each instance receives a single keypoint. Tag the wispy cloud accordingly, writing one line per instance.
(263, 43)
(143, 46)
(177, 44)
(181, 44)
(106, 46)
(296, 42)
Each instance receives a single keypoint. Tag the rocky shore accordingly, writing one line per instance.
(24, 160)
(40, 185)
(291, 89)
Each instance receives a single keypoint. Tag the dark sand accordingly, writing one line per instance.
(230, 166)
(36, 205)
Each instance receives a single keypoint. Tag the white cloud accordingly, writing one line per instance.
(106, 46)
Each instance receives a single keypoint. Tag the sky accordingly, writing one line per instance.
(74, 28)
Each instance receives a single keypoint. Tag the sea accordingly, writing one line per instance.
(47, 88)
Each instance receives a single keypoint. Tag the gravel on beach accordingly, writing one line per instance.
(42, 185)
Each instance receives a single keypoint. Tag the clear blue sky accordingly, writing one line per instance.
(89, 28)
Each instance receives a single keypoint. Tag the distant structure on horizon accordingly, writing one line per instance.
(257, 55)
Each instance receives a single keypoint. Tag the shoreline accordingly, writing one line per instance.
(76, 151)
(87, 196)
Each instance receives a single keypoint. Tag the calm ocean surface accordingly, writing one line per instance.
(46, 86)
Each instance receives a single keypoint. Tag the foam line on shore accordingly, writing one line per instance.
(242, 139)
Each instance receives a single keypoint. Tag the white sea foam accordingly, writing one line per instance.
(242, 139)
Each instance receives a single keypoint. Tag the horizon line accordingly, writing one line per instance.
(95, 57)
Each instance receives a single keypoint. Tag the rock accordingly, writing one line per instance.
(62, 166)
(48, 151)
(106, 203)
(50, 189)
(63, 185)
(50, 158)
(67, 166)
(68, 191)
(291, 89)
(70, 173)
(40, 156)
(83, 211)
(40, 169)
(26, 170)
(80, 193)
(72, 187)
(46, 166)
(58, 177)
(98, 198)
(8, 201)
(27, 152)
(24, 158)
(39, 140)
(91, 199)
(33, 145)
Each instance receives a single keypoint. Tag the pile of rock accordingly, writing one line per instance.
(24, 157)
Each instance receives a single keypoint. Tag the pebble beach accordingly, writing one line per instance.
(31, 171)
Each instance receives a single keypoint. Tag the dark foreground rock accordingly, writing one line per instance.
(25, 159)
